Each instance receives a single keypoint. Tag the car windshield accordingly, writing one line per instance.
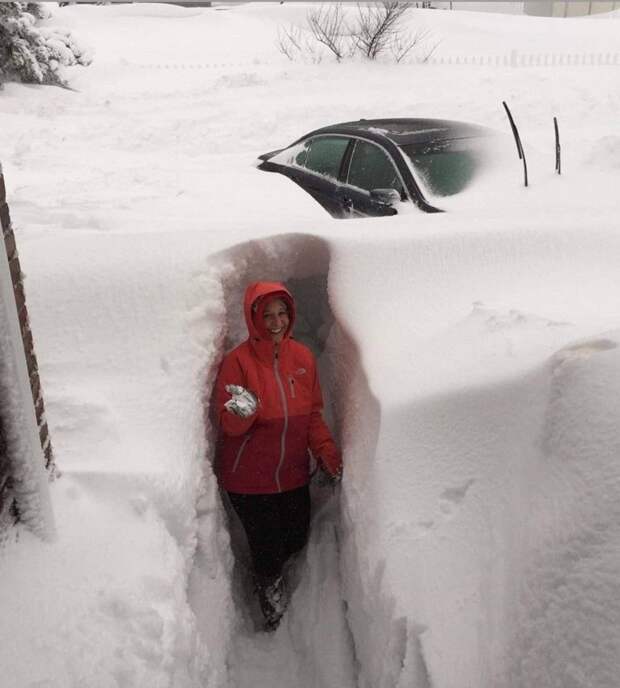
(445, 167)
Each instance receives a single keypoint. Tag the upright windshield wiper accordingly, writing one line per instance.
(515, 133)
(558, 164)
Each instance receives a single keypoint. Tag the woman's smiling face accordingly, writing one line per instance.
(276, 319)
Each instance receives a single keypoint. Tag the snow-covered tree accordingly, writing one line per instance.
(33, 53)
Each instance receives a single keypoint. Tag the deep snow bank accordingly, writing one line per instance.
(103, 605)
(445, 570)
(442, 396)
(126, 346)
(568, 607)
(443, 549)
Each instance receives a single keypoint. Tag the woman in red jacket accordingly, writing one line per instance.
(268, 401)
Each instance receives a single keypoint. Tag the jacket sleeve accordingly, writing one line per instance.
(231, 373)
(320, 440)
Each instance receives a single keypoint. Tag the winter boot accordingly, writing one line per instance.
(273, 602)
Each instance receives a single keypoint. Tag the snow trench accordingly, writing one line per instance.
(320, 642)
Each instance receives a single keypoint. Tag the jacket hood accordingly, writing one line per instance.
(260, 293)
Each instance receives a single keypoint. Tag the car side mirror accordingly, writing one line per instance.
(387, 197)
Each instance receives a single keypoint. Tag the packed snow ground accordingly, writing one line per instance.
(470, 362)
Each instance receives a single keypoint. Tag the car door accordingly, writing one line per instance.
(317, 168)
(371, 169)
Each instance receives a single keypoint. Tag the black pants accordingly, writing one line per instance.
(276, 526)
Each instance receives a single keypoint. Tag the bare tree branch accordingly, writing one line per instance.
(289, 41)
(402, 43)
(326, 25)
(376, 25)
(429, 52)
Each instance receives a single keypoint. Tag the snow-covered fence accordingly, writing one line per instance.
(25, 448)
(514, 59)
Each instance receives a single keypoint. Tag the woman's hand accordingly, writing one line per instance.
(243, 402)
(327, 479)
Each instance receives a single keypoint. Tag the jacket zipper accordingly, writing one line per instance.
(291, 384)
(240, 451)
(276, 370)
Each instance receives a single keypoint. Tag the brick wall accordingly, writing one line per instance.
(6, 500)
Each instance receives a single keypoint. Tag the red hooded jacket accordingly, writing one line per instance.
(268, 452)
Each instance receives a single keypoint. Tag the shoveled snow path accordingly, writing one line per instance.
(312, 648)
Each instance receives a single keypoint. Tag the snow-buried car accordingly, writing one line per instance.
(368, 167)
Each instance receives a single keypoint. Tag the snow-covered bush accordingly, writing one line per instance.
(32, 53)
(376, 29)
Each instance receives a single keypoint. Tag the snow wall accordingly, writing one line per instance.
(479, 512)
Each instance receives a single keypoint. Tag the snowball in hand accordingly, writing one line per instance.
(243, 402)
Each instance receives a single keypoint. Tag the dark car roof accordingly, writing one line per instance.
(407, 130)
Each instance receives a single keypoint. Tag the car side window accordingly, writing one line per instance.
(324, 155)
(371, 168)
(300, 154)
